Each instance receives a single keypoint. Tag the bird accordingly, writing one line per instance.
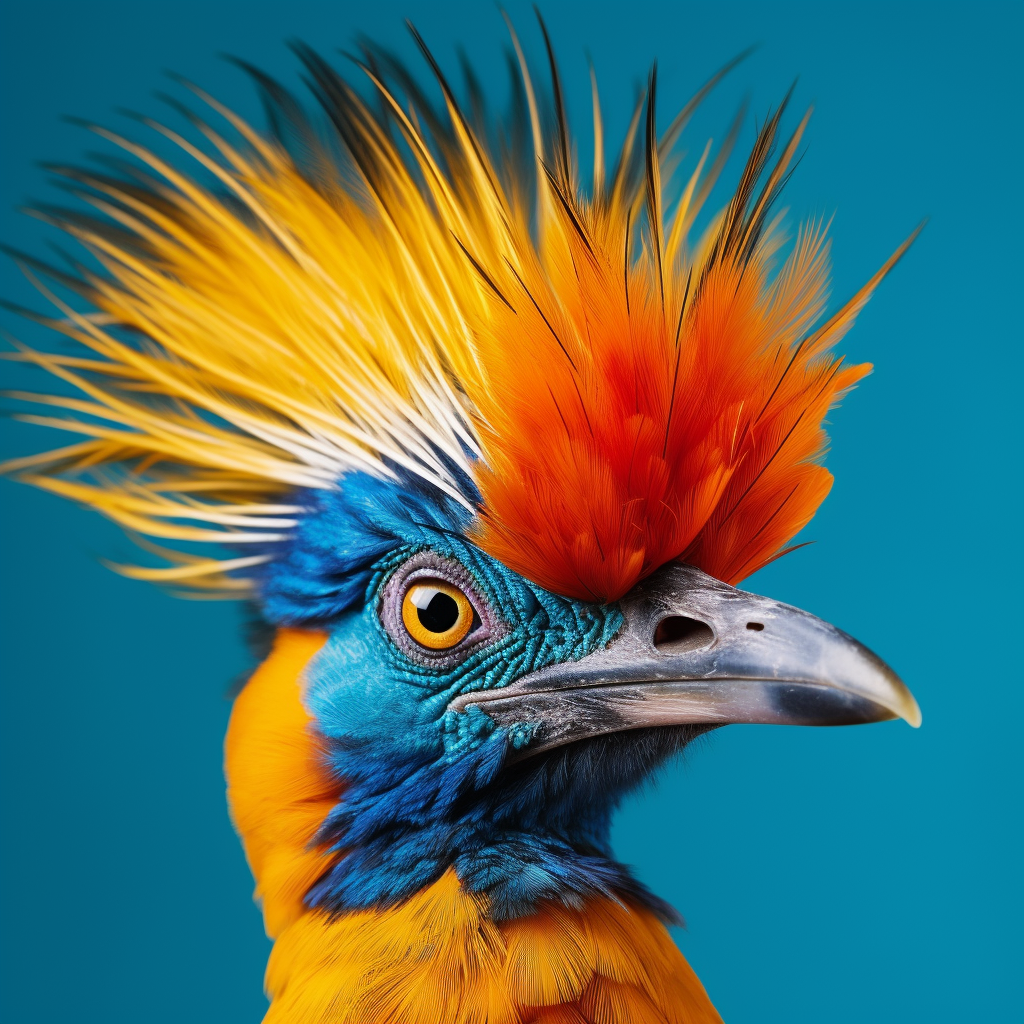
(487, 442)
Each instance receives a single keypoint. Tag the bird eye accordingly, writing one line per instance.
(437, 614)
(435, 611)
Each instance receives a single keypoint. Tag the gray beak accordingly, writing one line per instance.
(697, 651)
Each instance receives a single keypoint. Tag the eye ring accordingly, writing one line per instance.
(436, 614)
(430, 568)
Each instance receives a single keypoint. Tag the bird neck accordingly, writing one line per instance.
(399, 825)
(444, 952)
(521, 838)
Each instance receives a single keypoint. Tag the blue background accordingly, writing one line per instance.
(837, 875)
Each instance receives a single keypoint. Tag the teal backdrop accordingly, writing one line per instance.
(830, 876)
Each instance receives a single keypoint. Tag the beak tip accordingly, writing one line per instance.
(909, 710)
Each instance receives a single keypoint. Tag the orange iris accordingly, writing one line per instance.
(437, 614)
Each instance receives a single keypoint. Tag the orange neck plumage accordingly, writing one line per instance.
(438, 956)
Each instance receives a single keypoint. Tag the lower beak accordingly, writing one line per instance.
(694, 650)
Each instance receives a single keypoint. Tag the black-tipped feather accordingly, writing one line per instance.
(652, 178)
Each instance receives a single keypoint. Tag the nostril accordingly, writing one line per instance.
(757, 626)
(678, 633)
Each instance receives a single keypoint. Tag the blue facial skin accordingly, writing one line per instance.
(428, 788)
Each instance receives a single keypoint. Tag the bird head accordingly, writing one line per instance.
(480, 720)
(507, 443)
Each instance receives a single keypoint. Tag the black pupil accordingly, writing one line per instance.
(439, 613)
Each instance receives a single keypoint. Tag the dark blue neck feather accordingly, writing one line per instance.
(533, 831)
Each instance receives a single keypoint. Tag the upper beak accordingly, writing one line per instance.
(695, 650)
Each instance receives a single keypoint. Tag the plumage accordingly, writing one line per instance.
(398, 353)
(438, 956)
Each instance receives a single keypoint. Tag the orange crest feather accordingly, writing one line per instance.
(651, 435)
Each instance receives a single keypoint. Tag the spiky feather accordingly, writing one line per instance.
(397, 294)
